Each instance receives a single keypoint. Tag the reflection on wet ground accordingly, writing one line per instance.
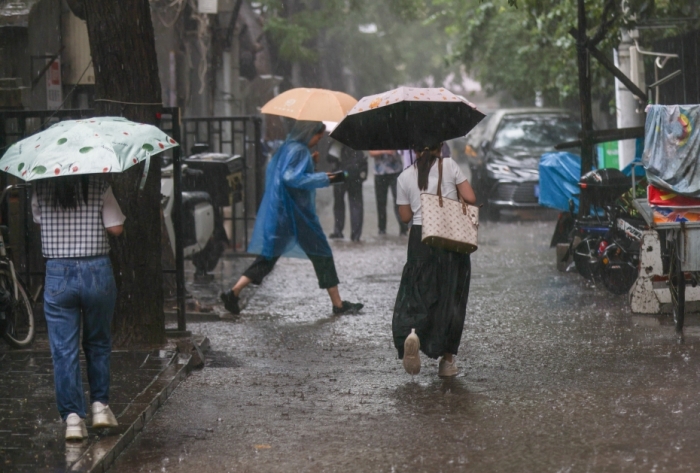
(556, 375)
(31, 431)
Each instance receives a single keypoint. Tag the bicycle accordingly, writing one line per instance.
(16, 314)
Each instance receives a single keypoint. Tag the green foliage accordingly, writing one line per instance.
(520, 51)
(529, 48)
(384, 43)
(291, 38)
(513, 47)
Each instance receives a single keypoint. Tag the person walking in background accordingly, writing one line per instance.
(431, 304)
(387, 167)
(287, 224)
(354, 163)
(76, 213)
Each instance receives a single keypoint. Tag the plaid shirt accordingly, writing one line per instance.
(73, 233)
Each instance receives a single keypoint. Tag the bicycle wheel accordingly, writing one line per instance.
(586, 258)
(19, 321)
(676, 283)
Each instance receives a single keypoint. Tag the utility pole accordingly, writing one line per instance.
(626, 103)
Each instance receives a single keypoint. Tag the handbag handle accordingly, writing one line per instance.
(439, 189)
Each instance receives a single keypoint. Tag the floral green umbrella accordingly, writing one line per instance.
(87, 146)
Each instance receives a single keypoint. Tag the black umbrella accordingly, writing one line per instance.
(405, 118)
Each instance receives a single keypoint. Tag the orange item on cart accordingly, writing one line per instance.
(669, 215)
(659, 197)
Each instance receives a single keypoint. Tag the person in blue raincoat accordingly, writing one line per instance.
(287, 224)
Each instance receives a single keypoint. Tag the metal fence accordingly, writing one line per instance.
(240, 136)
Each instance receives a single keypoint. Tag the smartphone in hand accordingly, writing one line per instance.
(337, 177)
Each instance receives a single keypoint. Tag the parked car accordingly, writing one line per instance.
(503, 154)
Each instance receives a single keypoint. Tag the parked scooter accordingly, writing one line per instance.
(206, 190)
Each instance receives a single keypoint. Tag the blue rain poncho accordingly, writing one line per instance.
(287, 224)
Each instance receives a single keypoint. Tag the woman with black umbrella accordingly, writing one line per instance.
(431, 304)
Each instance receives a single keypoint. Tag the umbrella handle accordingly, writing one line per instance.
(146, 166)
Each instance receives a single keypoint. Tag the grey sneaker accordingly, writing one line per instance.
(102, 416)
(447, 369)
(75, 428)
(411, 355)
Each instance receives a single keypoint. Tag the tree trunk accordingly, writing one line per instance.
(123, 51)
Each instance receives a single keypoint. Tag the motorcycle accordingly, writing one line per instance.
(605, 245)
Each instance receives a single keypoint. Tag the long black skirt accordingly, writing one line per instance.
(432, 297)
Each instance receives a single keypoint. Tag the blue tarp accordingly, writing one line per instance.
(672, 148)
(287, 223)
(559, 177)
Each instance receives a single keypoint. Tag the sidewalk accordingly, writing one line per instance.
(31, 432)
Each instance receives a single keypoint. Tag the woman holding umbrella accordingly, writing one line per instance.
(76, 208)
(431, 304)
(432, 298)
(76, 213)
(287, 224)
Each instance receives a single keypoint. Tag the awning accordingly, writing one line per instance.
(15, 13)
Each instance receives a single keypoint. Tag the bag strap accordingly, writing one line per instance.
(439, 189)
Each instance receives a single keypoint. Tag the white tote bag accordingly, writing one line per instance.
(447, 223)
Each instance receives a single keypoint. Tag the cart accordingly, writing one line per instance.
(669, 261)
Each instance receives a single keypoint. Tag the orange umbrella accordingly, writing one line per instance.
(310, 104)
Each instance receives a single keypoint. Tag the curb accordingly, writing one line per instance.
(101, 455)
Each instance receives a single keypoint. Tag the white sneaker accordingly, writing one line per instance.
(75, 428)
(411, 356)
(447, 369)
(102, 416)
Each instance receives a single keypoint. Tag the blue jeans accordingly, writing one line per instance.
(78, 288)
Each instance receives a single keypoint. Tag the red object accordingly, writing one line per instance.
(665, 198)
(159, 115)
(602, 246)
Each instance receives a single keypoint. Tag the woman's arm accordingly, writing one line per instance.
(115, 230)
(295, 175)
(112, 216)
(405, 213)
(465, 190)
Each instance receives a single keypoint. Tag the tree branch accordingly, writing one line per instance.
(607, 19)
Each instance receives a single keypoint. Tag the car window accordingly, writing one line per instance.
(536, 131)
(470, 144)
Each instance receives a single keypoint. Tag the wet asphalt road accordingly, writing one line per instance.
(556, 376)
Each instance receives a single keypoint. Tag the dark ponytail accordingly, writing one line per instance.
(425, 158)
(68, 189)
